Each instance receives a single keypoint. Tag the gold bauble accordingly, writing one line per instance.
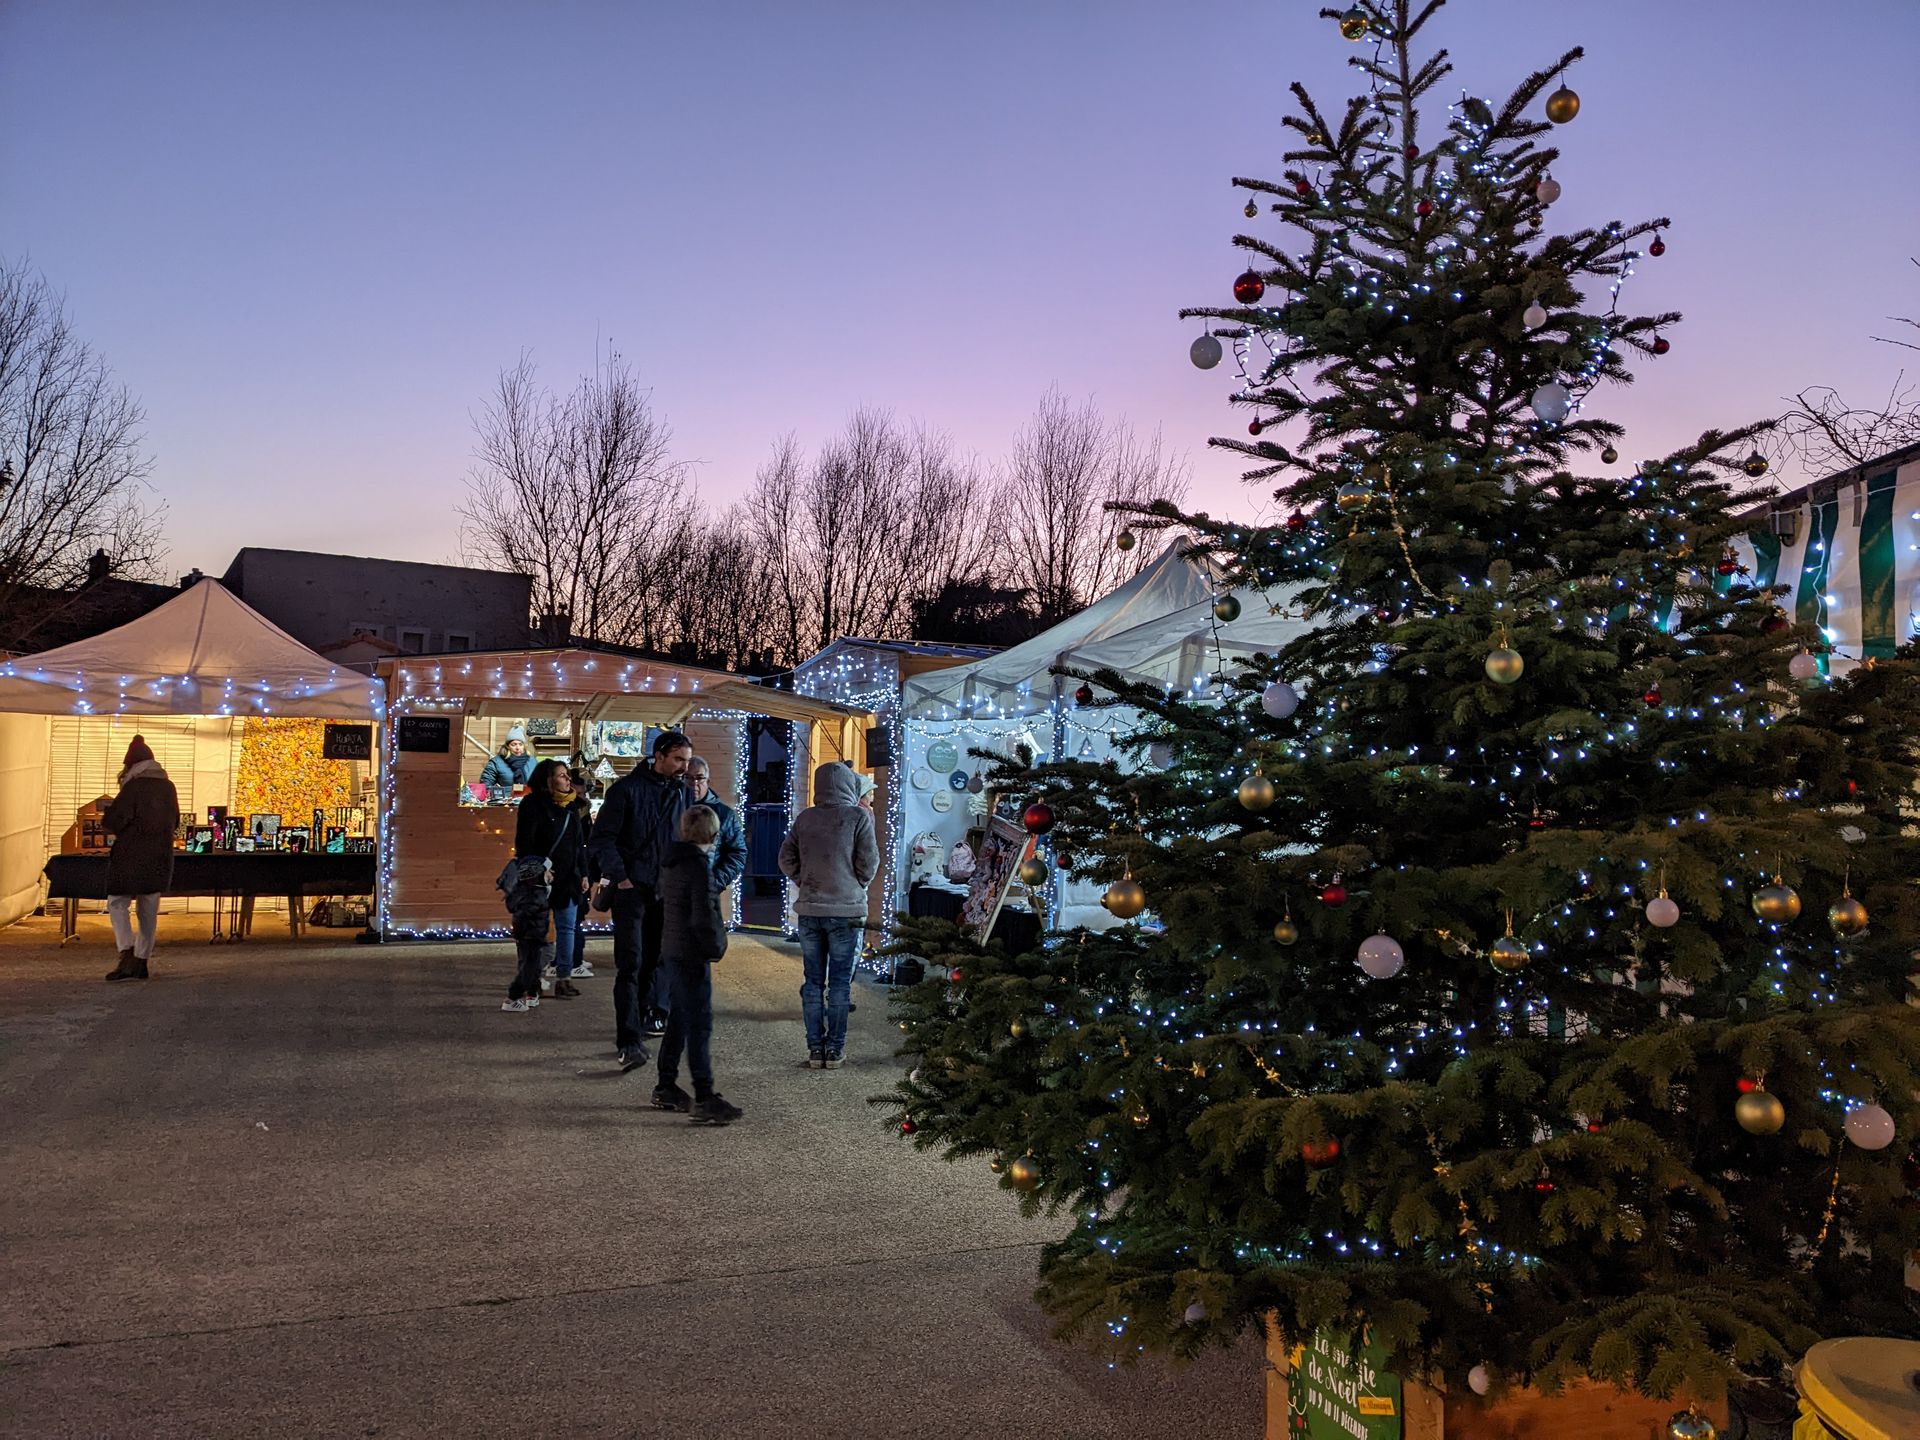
(1139, 1116)
(1354, 24)
(1227, 609)
(1018, 1029)
(1509, 954)
(1505, 665)
(1562, 105)
(1286, 932)
(1353, 497)
(1124, 540)
(1024, 1173)
(1692, 1425)
(1252, 209)
(1776, 903)
(1033, 872)
(905, 1026)
(1759, 1113)
(1256, 792)
(1848, 916)
(1125, 898)
(996, 1165)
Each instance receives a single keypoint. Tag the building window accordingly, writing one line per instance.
(459, 640)
(365, 630)
(412, 642)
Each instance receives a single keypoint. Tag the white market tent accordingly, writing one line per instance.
(202, 654)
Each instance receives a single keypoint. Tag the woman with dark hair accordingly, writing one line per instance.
(549, 828)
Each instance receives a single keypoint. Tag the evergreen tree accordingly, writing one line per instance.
(1417, 1047)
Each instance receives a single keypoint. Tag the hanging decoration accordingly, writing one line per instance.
(1562, 105)
(1206, 351)
(1354, 24)
(1248, 287)
(1381, 956)
(1505, 664)
(1777, 904)
(1024, 1173)
(1803, 667)
(1226, 609)
(1609, 456)
(1870, 1126)
(1508, 953)
(1759, 1113)
(1548, 190)
(1124, 898)
(1124, 540)
(1551, 402)
(1279, 700)
(1038, 818)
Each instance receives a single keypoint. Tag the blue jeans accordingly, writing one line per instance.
(566, 920)
(828, 944)
(689, 1025)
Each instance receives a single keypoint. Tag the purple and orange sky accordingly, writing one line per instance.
(308, 237)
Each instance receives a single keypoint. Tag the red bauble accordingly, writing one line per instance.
(1543, 1187)
(1423, 209)
(1038, 818)
(1853, 787)
(907, 1127)
(1083, 696)
(1660, 345)
(1302, 187)
(1254, 427)
(1296, 522)
(1249, 288)
(1063, 858)
(1657, 248)
(953, 977)
(1594, 1127)
(1318, 1153)
(1728, 565)
(1652, 697)
(1774, 623)
(1746, 1086)
(1334, 894)
(1413, 152)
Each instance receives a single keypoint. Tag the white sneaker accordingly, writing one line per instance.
(532, 1002)
(546, 987)
(583, 971)
(548, 973)
(516, 1007)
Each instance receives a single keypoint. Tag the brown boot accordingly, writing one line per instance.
(128, 968)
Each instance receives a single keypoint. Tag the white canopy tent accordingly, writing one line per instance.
(203, 653)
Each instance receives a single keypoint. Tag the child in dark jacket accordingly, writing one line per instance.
(692, 937)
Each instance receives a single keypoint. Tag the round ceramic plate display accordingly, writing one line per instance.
(957, 780)
(942, 801)
(922, 779)
(975, 784)
(942, 757)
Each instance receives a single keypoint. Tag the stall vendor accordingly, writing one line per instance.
(512, 766)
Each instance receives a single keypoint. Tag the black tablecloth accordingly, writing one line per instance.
(84, 877)
(1018, 930)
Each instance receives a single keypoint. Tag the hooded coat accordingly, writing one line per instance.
(142, 819)
(690, 923)
(831, 853)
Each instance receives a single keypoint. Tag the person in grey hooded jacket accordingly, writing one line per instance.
(831, 855)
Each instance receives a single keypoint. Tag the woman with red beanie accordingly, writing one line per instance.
(141, 820)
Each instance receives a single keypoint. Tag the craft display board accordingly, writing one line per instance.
(995, 863)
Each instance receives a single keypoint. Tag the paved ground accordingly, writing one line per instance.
(319, 1189)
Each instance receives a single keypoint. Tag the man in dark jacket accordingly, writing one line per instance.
(141, 820)
(730, 850)
(638, 824)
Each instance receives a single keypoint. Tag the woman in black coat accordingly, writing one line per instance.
(549, 827)
(692, 937)
(141, 819)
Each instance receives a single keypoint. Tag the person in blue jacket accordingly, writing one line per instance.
(730, 850)
(639, 822)
(512, 766)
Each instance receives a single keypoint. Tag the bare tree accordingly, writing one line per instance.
(1068, 466)
(580, 492)
(1826, 433)
(882, 516)
(72, 475)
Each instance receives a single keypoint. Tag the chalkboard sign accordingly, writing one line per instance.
(1335, 1394)
(431, 733)
(347, 742)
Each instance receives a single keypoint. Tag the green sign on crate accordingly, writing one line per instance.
(1334, 1394)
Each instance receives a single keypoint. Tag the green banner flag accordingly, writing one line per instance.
(1879, 620)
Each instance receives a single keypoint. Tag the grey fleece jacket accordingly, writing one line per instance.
(830, 853)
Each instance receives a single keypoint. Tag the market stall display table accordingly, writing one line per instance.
(1018, 930)
(235, 877)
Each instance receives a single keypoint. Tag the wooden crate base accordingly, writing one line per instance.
(1580, 1412)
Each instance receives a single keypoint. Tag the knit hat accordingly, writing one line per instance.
(137, 753)
(517, 732)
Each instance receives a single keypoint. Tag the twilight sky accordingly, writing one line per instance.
(308, 237)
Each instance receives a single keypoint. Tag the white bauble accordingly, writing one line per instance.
(1478, 1380)
(1548, 190)
(1161, 754)
(1279, 700)
(1381, 956)
(1551, 402)
(1534, 316)
(1205, 352)
(1804, 666)
(1196, 1312)
(1662, 913)
(1870, 1127)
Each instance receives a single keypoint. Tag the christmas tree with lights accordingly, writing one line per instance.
(1516, 967)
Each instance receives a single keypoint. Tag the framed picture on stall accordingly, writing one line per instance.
(200, 840)
(216, 815)
(243, 845)
(352, 819)
(360, 844)
(295, 838)
(336, 840)
(264, 831)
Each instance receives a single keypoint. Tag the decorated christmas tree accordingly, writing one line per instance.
(1516, 967)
